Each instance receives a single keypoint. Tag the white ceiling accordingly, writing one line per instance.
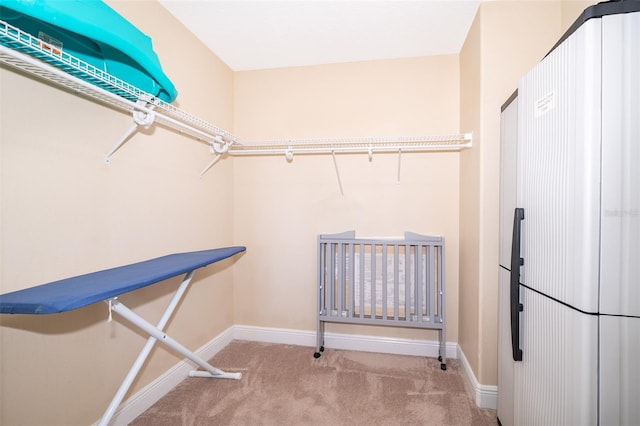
(249, 35)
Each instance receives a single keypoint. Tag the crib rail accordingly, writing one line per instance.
(381, 281)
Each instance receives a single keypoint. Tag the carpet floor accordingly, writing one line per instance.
(286, 385)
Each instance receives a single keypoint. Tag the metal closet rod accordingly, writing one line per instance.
(368, 145)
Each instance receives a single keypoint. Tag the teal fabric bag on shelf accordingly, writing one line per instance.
(93, 32)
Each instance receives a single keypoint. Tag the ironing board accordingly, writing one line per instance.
(105, 286)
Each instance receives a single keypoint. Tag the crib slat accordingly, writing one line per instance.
(430, 277)
(341, 286)
(351, 277)
(332, 278)
(407, 282)
(361, 261)
(372, 287)
(385, 306)
(396, 281)
(419, 282)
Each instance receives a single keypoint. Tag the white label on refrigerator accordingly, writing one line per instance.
(545, 104)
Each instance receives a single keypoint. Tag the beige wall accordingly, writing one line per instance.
(571, 10)
(281, 207)
(470, 331)
(65, 212)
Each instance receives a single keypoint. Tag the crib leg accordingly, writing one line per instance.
(443, 355)
(319, 340)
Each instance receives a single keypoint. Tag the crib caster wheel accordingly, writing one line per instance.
(316, 355)
(321, 348)
(443, 367)
(440, 358)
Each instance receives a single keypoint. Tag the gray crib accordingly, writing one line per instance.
(380, 281)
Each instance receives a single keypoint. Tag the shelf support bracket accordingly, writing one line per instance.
(211, 164)
(141, 118)
(335, 164)
(399, 164)
(122, 141)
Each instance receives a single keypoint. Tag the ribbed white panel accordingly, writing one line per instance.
(557, 378)
(620, 290)
(505, 358)
(619, 372)
(508, 176)
(558, 170)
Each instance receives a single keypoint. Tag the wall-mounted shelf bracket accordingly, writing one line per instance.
(399, 164)
(142, 116)
(211, 164)
(127, 135)
(335, 164)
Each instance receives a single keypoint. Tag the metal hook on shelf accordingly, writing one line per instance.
(289, 154)
(144, 117)
(218, 145)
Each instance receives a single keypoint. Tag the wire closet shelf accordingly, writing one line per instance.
(21, 50)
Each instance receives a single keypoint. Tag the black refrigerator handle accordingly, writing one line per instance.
(516, 262)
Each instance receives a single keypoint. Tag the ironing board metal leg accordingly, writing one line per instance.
(155, 334)
(135, 319)
(146, 350)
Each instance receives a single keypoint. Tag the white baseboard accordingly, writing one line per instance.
(352, 342)
(150, 394)
(486, 396)
(283, 336)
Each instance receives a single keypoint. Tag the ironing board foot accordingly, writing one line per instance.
(206, 374)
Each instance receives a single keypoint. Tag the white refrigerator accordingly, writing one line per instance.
(569, 286)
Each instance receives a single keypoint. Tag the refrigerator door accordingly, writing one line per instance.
(559, 170)
(557, 380)
(508, 175)
(620, 261)
(508, 158)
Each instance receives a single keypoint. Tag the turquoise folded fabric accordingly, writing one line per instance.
(95, 33)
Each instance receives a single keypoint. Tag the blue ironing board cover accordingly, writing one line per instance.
(95, 33)
(76, 292)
